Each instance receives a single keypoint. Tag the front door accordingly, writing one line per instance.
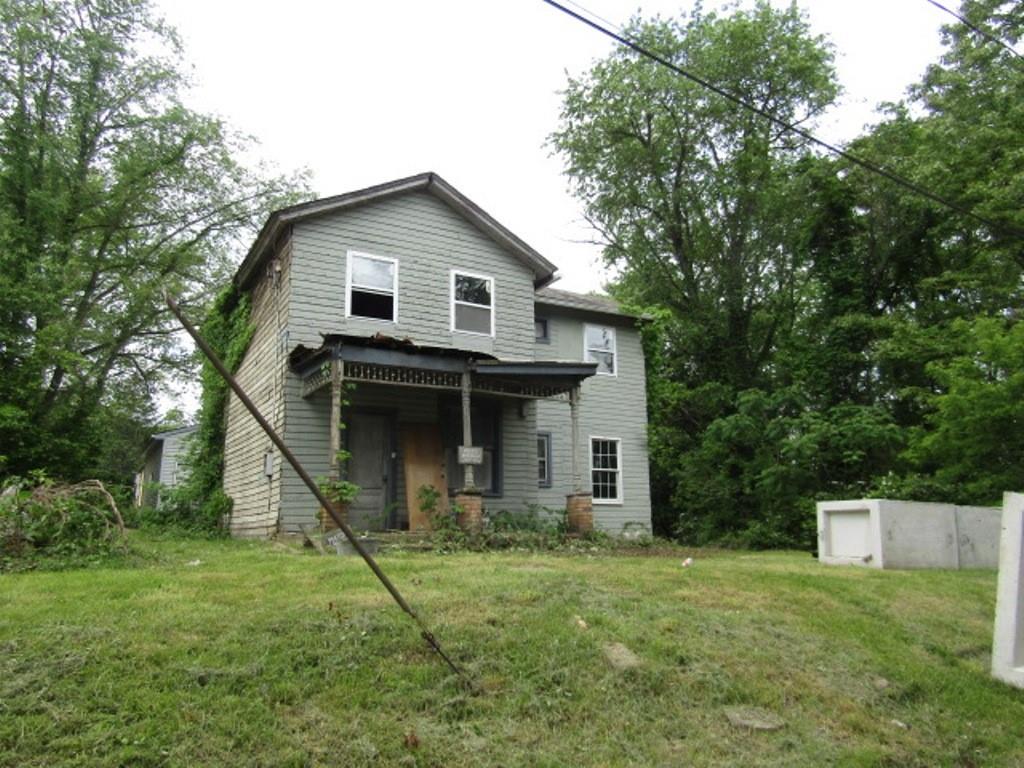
(370, 441)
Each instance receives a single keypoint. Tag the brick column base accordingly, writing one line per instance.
(580, 509)
(327, 522)
(471, 510)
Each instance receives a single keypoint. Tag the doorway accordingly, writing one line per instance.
(370, 438)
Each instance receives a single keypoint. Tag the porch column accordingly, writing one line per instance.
(334, 420)
(574, 416)
(467, 430)
(579, 505)
(468, 499)
(337, 376)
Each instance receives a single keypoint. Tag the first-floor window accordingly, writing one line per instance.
(606, 469)
(544, 459)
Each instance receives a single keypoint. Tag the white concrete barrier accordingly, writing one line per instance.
(881, 533)
(1008, 642)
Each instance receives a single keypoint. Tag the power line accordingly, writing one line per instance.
(988, 36)
(838, 151)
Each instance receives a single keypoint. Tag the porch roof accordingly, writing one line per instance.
(386, 360)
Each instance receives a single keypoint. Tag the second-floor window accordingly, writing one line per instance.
(599, 347)
(372, 287)
(472, 303)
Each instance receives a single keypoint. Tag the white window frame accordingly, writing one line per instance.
(348, 286)
(452, 302)
(614, 349)
(620, 471)
(549, 450)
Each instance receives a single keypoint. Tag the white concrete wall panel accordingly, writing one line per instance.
(1008, 643)
(881, 533)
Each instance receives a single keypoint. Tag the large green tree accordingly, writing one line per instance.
(819, 331)
(111, 190)
(695, 197)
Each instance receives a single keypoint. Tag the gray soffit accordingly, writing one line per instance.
(543, 270)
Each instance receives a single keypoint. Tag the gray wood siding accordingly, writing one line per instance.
(612, 406)
(173, 469)
(428, 239)
(519, 465)
(261, 375)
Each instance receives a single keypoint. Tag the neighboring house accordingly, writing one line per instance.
(410, 315)
(162, 465)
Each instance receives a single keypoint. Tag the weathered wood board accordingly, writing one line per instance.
(423, 465)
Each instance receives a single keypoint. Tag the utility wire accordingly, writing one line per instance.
(987, 35)
(838, 151)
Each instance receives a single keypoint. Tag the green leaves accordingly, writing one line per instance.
(818, 331)
(110, 190)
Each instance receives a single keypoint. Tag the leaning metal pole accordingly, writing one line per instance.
(313, 488)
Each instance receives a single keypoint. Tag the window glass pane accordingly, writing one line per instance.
(475, 319)
(604, 469)
(600, 338)
(543, 449)
(540, 329)
(475, 290)
(379, 306)
(605, 361)
(371, 273)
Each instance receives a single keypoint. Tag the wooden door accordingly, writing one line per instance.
(422, 459)
(369, 438)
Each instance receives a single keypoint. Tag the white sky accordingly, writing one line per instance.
(366, 92)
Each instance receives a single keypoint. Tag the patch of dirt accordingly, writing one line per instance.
(753, 719)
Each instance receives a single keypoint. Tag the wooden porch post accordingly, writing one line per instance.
(467, 430)
(337, 376)
(468, 499)
(574, 415)
(579, 504)
(334, 422)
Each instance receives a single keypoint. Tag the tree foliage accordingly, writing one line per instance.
(818, 331)
(111, 190)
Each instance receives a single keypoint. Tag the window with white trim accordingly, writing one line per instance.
(606, 469)
(544, 459)
(472, 303)
(599, 347)
(372, 287)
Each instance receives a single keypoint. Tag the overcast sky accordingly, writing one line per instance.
(366, 92)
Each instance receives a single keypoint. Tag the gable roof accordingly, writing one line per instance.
(543, 270)
(604, 305)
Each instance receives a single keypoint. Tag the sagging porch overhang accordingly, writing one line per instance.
(399, 362)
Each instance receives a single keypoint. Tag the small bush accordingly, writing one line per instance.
(61, 525)
(180, 511)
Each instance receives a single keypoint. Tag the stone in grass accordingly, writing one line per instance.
(754, 718)
(620, 657)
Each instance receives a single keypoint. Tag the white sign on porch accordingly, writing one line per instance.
(471, 454)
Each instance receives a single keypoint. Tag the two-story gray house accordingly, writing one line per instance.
(410, 316)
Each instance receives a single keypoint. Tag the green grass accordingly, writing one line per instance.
(264, 655)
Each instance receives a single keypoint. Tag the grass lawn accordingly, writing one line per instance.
(265, 655)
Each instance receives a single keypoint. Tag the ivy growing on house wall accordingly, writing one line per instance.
(200, 502)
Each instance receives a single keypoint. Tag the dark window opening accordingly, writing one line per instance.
(540, 329)
(374, 305)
